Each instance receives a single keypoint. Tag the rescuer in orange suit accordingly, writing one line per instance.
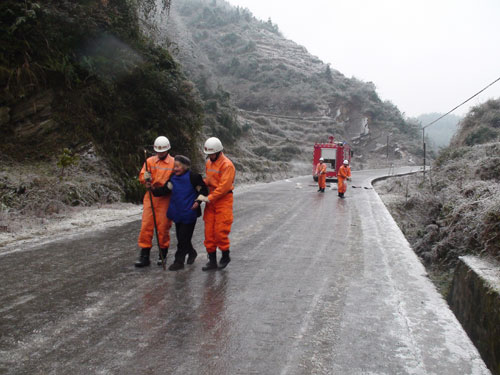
(218, 215)
(159, 169)
(321, 173)
(343, 174)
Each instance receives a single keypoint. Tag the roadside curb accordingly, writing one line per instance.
(378, 179)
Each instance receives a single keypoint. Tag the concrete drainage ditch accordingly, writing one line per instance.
(475, 299)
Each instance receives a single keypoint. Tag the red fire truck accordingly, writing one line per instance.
(334, 154)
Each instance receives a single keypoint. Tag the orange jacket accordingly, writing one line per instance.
(160, 170)
(344, 172)
(321, 169)
(220, 177)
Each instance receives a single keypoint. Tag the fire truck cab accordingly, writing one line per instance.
(334, 154)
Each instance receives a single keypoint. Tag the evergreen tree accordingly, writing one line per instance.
(328, 74)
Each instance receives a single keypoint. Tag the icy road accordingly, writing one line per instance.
(317, 285)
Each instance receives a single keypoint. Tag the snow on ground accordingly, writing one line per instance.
(31, 232)
(27, 232)
(34, 231)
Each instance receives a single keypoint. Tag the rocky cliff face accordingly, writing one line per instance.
(83, 92)
(284, 98)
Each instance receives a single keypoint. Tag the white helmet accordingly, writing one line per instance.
(346, 162)
(162, 144)
(212, 146)
(321, 159)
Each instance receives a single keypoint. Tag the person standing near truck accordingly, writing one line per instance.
(343, 174)
(321, 173)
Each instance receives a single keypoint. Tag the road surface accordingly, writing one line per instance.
(317, 285)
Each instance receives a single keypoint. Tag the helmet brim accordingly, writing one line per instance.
(211, 152)
(160, 150)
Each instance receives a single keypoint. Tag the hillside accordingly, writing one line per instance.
(284, 99)
(87, 86)
(83, 93)
(481, 125)
(455, 210)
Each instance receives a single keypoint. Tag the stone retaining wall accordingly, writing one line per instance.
(475, 299)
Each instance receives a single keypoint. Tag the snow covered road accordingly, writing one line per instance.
(317, 285)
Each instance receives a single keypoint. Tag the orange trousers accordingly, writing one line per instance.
(163, 223)
(322, 181)
(218, 217)
(341, 184)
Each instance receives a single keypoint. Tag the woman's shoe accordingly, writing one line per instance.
(191, 257)
(176, 266)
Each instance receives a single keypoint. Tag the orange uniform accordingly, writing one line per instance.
(160, 174)
(218, 215)
(321, 172)
(343, 173)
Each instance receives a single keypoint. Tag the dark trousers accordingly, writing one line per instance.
(184, 233)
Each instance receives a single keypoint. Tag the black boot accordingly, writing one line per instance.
(163, 253)
(224, 261)
(212, 262)
(176, 266)
(143, 258)
(322, 190)
(192, 256)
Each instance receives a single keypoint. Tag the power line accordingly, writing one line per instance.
(461, 104)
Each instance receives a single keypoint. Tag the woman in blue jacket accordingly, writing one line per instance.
(184, 186)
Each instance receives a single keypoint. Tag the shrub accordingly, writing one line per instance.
(483, 134)
(230, 39)
(262, 121)
(66, 159)
(449, 153)
(263, 151)
(490, 169)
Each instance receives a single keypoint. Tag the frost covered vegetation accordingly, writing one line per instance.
(481, 125)
(456, 209)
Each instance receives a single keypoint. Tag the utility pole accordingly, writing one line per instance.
(423, 142)
(387, 148)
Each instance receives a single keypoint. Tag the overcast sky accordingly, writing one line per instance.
(423, 55)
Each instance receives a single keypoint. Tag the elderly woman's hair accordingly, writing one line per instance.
(183, 160)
